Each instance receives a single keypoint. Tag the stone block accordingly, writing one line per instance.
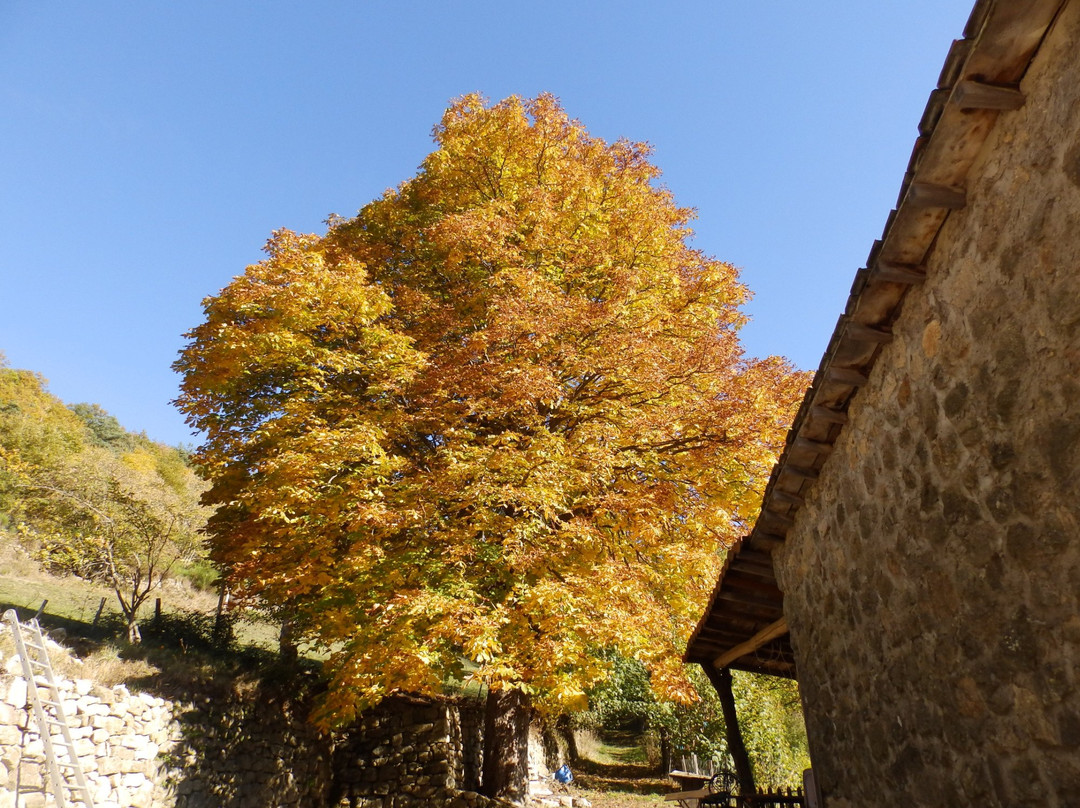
(16, 693)
(109, 765)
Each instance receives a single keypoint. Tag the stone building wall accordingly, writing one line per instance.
(932, 580)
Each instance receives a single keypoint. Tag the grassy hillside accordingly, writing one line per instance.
(176, 649)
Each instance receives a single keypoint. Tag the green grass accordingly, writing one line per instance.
(177, 650)
(616, 753)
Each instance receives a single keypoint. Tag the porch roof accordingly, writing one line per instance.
(980, 80)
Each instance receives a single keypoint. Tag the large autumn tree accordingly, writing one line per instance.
(499, 418)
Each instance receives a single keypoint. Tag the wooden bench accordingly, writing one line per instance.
(687, 799)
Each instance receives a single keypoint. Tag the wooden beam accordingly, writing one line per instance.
(899, 273)
(800, 471)
(827, 415)
(787, 670)
(787, 498)
(766, 540)
(848, 376)
(931, 195)
(821, 447)
(766, 635)
(970, 94)
(864, 333)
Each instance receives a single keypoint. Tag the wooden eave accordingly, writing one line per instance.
(979, 81)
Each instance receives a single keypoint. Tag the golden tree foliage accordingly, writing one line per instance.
(501, 415)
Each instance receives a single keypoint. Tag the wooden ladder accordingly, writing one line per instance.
(65, 774)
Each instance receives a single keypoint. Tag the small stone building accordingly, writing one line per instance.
(916, 563)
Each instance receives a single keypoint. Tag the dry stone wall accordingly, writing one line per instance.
(121, 738)
(252, 749)
(932, 580)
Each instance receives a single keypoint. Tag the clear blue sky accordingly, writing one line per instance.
(147, 149)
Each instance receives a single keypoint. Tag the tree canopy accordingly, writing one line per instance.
(498, 420)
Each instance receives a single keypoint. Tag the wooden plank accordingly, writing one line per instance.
(751, 557)
(1010, 35)
(761, 573)
(766, 635)
(828, 415)
(932, 195)
(755, 557)
(764, 605)
(802, 472)
(821, 447)
(971, 94)
(787, 498)
(762, 540)
(742, 624)
(898, 273)
(864, 333)
(848, 376)
(778, 520)
(753, 584)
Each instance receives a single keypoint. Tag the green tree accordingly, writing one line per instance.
(114, 520)
(103, 428)
(502, 415)
(770, 717)
(92, 499)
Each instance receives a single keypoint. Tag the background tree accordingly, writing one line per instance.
(770, 717)
(114, 520)
(501, 416)
(35, 426)
(92, 499)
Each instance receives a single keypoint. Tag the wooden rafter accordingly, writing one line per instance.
(766, 635)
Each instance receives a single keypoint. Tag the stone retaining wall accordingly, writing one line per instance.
(122, 739)
(251, 750)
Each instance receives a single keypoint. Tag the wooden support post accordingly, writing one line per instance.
(721, 680)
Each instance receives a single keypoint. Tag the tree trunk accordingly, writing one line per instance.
(287, 649)
(567, 733)
(666, 763)
(223, 629)
(134, 636)
(721, 680)
(506, 745)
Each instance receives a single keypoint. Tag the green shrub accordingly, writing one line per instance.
(201, 574)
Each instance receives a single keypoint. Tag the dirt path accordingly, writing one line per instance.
(622, 785)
